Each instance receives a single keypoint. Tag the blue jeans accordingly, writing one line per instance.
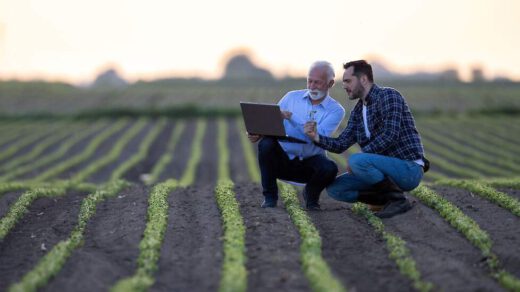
(316, 171)
(369, 169)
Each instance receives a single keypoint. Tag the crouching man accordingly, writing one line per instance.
(304, 163)
(392, 158)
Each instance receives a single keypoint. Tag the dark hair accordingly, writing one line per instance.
(361, 67)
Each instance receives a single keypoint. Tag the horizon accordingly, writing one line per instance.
(74, 42)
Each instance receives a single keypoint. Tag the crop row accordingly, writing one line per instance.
(89, 150)
(477, 145)
(59, 153)
(453, 150)
(52, 262)
(470, 229)
(157, 217)
(314, 266)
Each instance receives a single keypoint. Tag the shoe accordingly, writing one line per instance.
(269, 203)
(375, 208)
(397, 204)
(313, 207)
(376, 194)
(310, 206)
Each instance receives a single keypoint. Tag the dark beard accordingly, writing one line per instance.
(356, 93)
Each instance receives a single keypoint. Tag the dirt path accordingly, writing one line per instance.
(73, 151)
(272, 243)
(6, 200)
(103, 149)
(505, 235)
(48, 221)
(440, 251)
(511, 192)
(191, 256)
(156, 150)
(181, 154)
(46, 152)
(237, 161)
(129, 150)
(207, 171)
(355, 253)
(111, 245)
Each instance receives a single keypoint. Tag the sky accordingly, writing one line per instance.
(72, 41)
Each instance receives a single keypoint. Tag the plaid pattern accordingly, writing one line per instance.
(391, 125)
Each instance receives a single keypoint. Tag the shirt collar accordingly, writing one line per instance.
(372, 93)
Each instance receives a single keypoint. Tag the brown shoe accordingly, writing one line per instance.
(397, 204)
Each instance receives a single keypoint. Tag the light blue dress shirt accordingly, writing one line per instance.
(328, 115)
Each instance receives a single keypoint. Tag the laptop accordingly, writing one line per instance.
(266, 119)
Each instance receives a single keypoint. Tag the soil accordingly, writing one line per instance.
(111, 245)
(132, 147)
(272, 243)
(48, 221)
(355, 253)
(191, 254)
(511, 192)
(505, 235)
(73, 151)
(157, 148)
(440, 251)
(6, 200)
(181, 153)
(103, 149)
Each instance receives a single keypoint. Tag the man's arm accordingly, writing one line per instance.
(336, 145)
(392, 110)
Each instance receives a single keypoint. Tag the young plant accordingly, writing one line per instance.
(397, 248)
(314, 266)
(470, 229)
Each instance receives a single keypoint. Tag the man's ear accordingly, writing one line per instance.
(364, 80)
(331, 83)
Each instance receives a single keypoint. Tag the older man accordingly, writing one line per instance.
(305, 163)
(393, 156)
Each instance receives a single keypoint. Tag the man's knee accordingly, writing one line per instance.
(267, 145)
(355, 160)
(338, 193)
(328, 170)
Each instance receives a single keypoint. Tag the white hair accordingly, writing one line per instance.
(327, 66)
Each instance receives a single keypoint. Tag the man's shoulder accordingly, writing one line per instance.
(293, 97)
(387, 91)
(334, 105)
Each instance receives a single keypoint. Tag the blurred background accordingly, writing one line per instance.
(76, 57)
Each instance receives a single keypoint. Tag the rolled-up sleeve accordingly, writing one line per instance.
(342, 142)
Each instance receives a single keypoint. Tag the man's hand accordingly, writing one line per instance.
(286, 115)
(254, 138)
(310, 130)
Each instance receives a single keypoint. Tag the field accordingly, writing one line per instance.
(167, 204)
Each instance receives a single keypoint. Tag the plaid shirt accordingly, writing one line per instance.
(390, 123)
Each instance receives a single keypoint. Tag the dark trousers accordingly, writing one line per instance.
(316, 171)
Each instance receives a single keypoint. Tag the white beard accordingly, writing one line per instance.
(317, 94)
